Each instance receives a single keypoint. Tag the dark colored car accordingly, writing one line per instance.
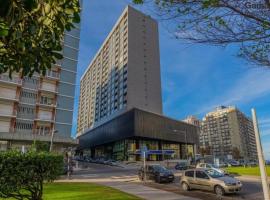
(181, 166)
(157, 173)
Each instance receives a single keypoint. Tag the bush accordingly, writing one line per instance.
(22, 175)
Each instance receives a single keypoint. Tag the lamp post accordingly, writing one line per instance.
(51, 144)
(185, 132)
(260, 156)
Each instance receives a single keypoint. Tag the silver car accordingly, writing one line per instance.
(211, 180)
(211, 166)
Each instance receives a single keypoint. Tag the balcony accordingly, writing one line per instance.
(8, 113)
(48, 88)
(45, 116)
(52, 75)
(15, 80)
(9, 97)
(51, 104)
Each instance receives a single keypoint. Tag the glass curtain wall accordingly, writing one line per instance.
(175, 147)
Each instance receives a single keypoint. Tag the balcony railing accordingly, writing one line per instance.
(51, 104)
(44, 118)
(30, 135)
(8, 113)
(25, 115)
(52, 74)
(14, 80)
(9, 97)
(54, 90)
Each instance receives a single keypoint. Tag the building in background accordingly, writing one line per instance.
(228, 133)
(193, 120)
(34, 108)
(120, 108)
(125, 72)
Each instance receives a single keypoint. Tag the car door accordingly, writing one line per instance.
(202, 180)
(189, 175)
(151, 173)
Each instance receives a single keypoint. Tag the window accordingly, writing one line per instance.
(201, 174)
(189, 173)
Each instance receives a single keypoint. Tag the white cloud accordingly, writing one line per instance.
(254, 84)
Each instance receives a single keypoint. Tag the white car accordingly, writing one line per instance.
(210, 166)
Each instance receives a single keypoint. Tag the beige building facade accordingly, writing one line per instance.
(125, 72)
(35, 108)
(229, 133)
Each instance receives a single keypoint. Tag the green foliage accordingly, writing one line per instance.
(138, 1)
(42, 146)
(22, 175)
(31, 33)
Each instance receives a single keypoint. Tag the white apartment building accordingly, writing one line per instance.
(33, 108)
(125, 72)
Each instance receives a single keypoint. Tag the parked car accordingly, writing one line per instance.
(233, 163)
(211, 180)
(157, 173)
(211, 166)
(181, 166)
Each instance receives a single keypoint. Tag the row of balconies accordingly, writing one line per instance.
(14, 80)
(40, 102)
(9, 112)
(19, 81)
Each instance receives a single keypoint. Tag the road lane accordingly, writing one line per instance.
(252, 189)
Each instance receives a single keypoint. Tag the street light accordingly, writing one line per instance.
(185, 132)
(51, 145)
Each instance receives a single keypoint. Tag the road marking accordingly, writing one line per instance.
(88, 175)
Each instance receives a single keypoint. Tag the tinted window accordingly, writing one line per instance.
(201, 174)
(189, 173)
(150, 168)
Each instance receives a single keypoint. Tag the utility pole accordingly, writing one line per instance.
(144, 166)
(260, 156)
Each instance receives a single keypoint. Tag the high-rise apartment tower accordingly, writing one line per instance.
(125, 72)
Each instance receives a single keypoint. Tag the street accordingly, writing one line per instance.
(100, 173)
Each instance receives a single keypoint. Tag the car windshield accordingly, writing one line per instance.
(159, 168)
(214, 173)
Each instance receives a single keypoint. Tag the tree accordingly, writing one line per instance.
(41, 146)
(221, 22)
(22, 175)
(31, 33)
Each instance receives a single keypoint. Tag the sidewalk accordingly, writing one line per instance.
(138, 190)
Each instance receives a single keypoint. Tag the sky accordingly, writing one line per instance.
(195, 78)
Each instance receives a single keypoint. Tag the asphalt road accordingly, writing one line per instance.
(252, 189)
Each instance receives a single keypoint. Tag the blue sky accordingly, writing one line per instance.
(195, 78)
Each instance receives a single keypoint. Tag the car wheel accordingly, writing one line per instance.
(219, 191)
(185, 186)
